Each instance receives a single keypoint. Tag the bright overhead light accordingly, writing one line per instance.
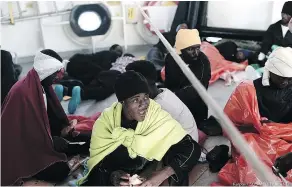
(89, 21)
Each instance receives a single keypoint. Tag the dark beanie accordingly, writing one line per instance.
(287, 8)
(130, 84)
(52, 53)
(146, 68)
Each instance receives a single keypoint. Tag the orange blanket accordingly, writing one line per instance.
(273, 140)
(218, 64)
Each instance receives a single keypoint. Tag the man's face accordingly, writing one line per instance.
(280, 82)
(54, 78)
(285, 18)
(136, 107)
(118, 50)
(240, 56)
(183, 26)
(58, 76)
(192, 52)
(290, 25)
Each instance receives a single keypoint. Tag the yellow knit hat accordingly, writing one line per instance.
(186, 38)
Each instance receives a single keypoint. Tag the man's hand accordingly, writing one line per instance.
(159, 177)
(69, 129)
(124, 180)
(60, 144)
(120, 178)
(66, 131)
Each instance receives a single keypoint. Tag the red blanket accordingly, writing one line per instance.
(84, 124)
(273, 140)
(27, 146)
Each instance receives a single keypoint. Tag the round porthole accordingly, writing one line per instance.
(90, 20)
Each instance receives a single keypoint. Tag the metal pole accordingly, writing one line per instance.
(19, 9)
(55, 6)
(38, 16)
(41, 26)
(124, 26)
(93, 44)
(264, 173)
(48, 23)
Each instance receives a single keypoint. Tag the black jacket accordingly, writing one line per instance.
(102, 86)
(274, 104)
(274, 36)
(228, 50)
(176, 81)
(8, 78)
(175, 78)
(182, 157)
(85, 67)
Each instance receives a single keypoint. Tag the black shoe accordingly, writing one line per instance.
(218, 157)
(211, 127)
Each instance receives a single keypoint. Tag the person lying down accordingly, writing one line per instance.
(133, 134)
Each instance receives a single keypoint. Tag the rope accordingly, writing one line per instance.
(263, 172)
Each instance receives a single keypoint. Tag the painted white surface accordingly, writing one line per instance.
(27, 37)
(255, 15)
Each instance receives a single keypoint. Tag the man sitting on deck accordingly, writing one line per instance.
(274, 89)
(166, 98)
(34, 125)
(278, 33)
(262, 111)
(135, 132)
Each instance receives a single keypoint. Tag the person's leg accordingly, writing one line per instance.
(79, 149)
(97, 93)
(59, 90)
(55, 173)
(98, 177)
(182, 157)
(76, 149)
(75, 99)
(99, 89)
(65, 87)
(196, 105)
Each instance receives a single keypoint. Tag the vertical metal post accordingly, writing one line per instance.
(93, 44)
(41, 25)
(19, 9)
(55, 6)
(124, 25)
(11, 16)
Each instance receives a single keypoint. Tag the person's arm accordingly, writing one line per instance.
(7, 73)
(156, 56)
(179, 161)
(172, 71)
(247, 129)
(182, 157)
(202, 70)
(268, 41)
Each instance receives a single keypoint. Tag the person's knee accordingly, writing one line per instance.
(62, 172)
(196, 152)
